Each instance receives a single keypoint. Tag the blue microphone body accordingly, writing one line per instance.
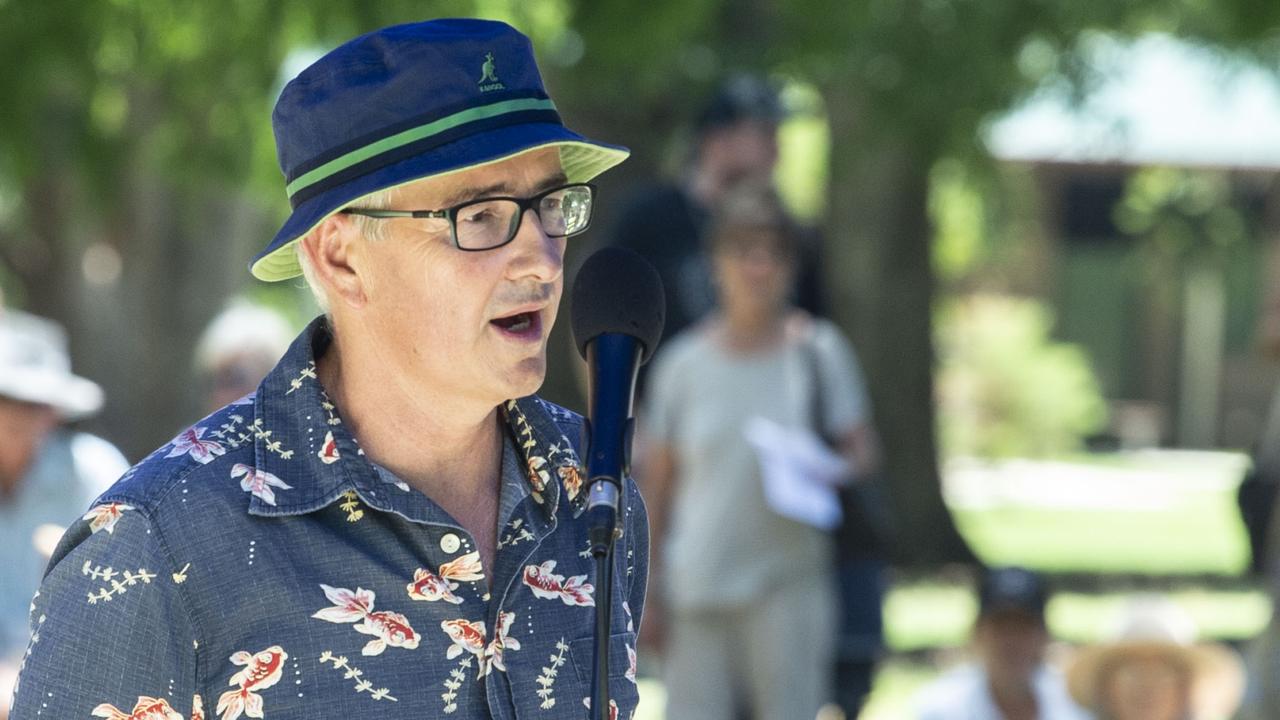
(613, 361)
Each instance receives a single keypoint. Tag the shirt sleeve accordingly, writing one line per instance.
(844, 391)
(110, 629)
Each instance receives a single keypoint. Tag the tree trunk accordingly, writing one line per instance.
(880, 278)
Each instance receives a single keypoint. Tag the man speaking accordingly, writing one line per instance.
(392, 525)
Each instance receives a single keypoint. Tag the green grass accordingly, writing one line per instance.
(1201, 536)
(1154, 513)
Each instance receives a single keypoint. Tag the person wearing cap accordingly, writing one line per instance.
(1008, 679)
(48, 473)
(735, 143)
(392, 524)
(1152, 668)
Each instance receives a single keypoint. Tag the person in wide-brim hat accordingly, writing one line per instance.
(36, 369)
(1153, 669)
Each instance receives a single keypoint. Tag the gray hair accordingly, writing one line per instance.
(371, 228)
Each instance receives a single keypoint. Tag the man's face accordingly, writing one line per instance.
(744, 151)
(448, 324)
(24, 427)
(1146, 688)
(1011, 643)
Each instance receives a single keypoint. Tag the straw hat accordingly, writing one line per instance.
(1155, 628)
(35, 367)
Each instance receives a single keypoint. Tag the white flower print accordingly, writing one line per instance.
(259, 482)
(191, 443)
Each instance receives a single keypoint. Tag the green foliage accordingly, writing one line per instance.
(1181, 214)
(1005, 388)
(960, 217)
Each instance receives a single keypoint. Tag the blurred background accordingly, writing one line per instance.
(1050, 230)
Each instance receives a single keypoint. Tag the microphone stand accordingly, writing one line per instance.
(602, 535)
(608, 443)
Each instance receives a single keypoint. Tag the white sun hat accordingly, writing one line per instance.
(35, 367)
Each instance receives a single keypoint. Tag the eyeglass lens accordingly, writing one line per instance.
(489, 223)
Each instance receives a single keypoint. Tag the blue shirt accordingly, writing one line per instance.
(260, 566)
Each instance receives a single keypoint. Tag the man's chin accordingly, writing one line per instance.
(526, 377)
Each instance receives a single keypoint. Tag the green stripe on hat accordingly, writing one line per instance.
(412, 135)
(582, 161)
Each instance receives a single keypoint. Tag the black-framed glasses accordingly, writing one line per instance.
(491, 222)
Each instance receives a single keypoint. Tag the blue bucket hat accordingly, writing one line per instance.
(408, 102)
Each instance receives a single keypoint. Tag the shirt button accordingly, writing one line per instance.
(450, 543)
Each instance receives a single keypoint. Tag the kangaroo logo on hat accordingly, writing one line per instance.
(488, 79)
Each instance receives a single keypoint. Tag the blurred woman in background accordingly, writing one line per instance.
(743, 603)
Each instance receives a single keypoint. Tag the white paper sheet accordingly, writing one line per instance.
(800, 472)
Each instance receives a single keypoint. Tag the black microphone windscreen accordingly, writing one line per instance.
(617, 291)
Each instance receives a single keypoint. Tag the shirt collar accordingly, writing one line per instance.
(305, 458)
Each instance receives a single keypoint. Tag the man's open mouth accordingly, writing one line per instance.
(518, 323)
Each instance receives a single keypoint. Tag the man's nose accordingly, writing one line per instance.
(537, 253)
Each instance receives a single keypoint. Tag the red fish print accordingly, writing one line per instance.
(538, 476)
(549, 586)
(147, 708)
(467, 637)
(390, 629)
(105, 517)
(262, 670)
(501, 642)
(571, 479)
(329, 451)
(430, 586)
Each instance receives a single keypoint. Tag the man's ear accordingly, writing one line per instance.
(334, 251)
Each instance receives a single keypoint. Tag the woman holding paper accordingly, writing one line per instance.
(741, 574)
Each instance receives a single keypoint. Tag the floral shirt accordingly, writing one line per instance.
(260, 566)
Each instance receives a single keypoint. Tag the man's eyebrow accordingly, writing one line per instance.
(501, 188)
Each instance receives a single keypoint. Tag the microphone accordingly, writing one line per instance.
(617, 309)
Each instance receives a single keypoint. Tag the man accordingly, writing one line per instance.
(1009, 681)
(381, 529)
(48, 474)
(736, 143)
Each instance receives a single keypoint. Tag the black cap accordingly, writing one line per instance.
(741, 97)
(1012, 588)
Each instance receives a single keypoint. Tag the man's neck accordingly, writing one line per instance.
(1014, 700)
(440, 445)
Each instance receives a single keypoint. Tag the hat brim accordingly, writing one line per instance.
(1217, 673)
(72, 396)
(581, 159)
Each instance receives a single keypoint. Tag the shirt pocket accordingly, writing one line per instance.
(622, 684)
